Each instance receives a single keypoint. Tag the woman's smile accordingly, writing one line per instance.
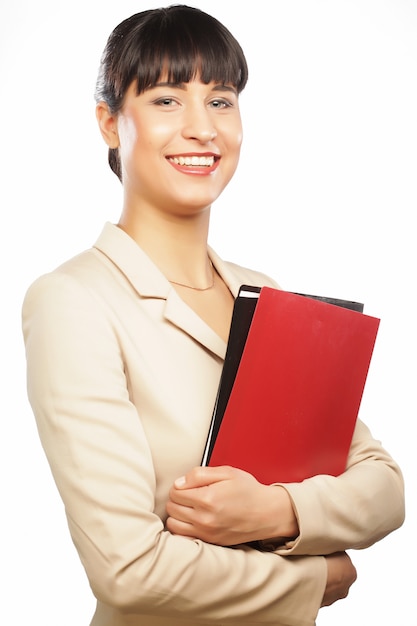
(194, 128)
(200, 164)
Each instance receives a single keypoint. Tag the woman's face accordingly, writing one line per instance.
(179, 144)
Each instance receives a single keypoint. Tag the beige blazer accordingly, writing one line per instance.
(122, 377)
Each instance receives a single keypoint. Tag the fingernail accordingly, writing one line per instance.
(180, 482)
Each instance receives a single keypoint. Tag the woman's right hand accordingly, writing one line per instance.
(341, 574)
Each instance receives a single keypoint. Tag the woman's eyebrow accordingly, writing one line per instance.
(223, 87)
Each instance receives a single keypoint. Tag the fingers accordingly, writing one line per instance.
(187, 496)
(178, 527)
(193, 489)
(194, 500)
(203, 476)
(190, 520)
(222, 505)
(341, 574)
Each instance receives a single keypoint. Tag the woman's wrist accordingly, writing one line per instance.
(282, 523)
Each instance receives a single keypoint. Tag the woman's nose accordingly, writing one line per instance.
(199, 125)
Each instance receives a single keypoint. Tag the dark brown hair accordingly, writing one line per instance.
(178, 40)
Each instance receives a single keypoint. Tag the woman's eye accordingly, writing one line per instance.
(165, 102)
(220, 104)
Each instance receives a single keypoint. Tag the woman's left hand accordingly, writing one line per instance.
(227, 506)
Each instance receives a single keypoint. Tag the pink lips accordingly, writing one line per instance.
(200, 164)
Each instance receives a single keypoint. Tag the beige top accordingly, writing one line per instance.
(122, 378)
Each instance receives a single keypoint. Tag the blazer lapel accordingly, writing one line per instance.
(149, 282)
(180, 314)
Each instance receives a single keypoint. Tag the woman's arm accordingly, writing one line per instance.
(321, 515)
(102, 464)
(354, 510)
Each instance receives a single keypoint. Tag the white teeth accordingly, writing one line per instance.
(204, 161)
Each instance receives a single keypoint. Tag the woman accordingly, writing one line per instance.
(125, 345)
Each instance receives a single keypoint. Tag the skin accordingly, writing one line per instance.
(166, 210)
(227, 506)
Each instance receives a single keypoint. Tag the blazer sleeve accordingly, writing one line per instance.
(102, 465)
(356, 509)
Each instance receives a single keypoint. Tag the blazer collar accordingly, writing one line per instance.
(149, 282)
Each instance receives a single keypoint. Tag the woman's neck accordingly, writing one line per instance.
(177, 245)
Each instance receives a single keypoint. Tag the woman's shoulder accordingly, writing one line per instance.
(67, 282)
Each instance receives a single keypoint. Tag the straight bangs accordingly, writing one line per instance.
(179, 56)
(176, 44)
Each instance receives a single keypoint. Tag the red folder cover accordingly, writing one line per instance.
(296, 396)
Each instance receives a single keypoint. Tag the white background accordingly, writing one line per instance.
(325, 198)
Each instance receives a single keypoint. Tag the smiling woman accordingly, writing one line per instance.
(169, 129)
(125, 345)
(174, 45)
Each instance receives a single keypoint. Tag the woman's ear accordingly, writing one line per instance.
(108, 125)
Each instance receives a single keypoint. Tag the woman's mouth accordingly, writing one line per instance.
(194, 163)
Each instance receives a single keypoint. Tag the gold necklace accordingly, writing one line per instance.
(174, 282)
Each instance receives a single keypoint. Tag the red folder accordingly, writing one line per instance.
(296, 395)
